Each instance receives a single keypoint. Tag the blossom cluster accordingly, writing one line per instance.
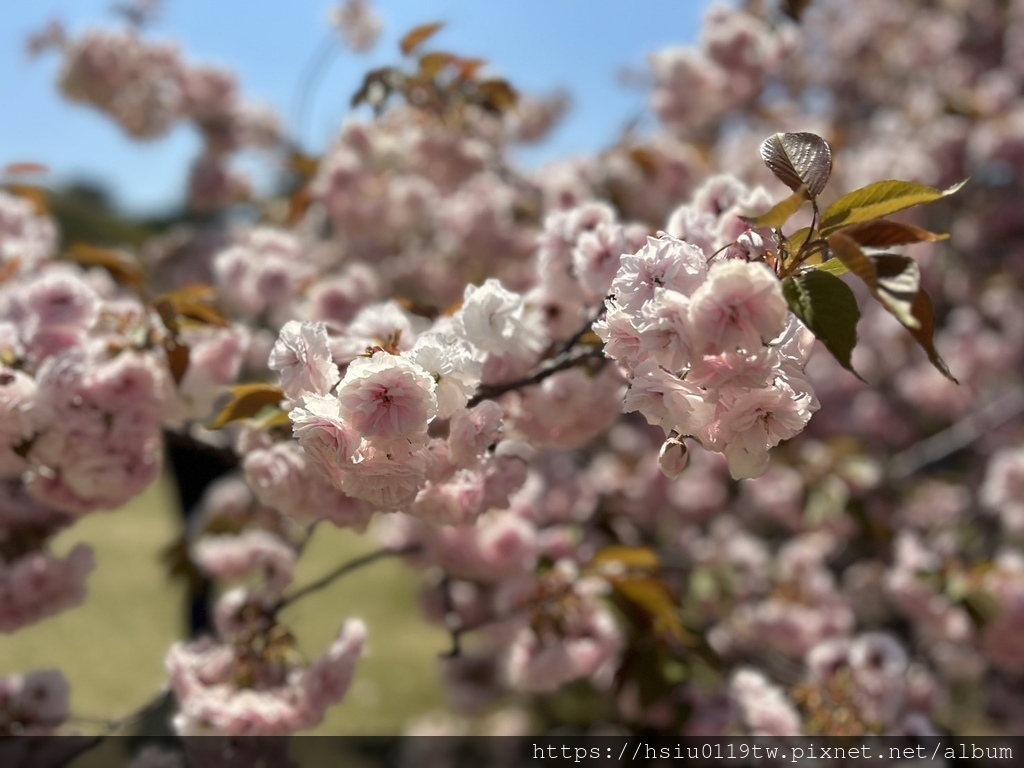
(35, 704)
(368, 431)
(148, 88)
(224, 691)
(710, 352)
(428, 312)
(358, 24)
(82, 413)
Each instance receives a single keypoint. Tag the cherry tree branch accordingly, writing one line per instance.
(490, 391)
(584, 330)
(345, 568)
(111, 727)
(226, 456)
(996, 412)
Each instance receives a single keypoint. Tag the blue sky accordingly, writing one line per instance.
(539, 45)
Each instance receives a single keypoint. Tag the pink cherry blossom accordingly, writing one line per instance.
(495, 319)
(739, 307)
(302, 355)
(764, 707)
(387, 396)
(1003, 488)
(35, 704)
(664, 262)
(39, 585)
(325, 438)
(757, 421)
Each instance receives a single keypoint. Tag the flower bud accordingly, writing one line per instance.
(673, 458)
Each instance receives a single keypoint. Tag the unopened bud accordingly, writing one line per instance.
(673, 458)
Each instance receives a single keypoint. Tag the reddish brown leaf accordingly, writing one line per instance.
(298, 204)
(620, 558)
(9, 269)
(433, 64)
(853, 258)
(121, 265)
(885, 233)
(177, 359)
(895, 281)
(195, 292)
(468, 68)
(654, 599)
(303, 165)
(925, 332)
(247, 400)
(644, 159)
(495, 96)
(24, 169)
(195, 303)
(416, 37)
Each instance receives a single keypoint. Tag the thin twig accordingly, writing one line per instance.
(587, 327)
(314, 71)
(957, 436)
(306, 536)
(113, 726)
(452, 622)
(488, 391)
(343, 569)
(456, 629)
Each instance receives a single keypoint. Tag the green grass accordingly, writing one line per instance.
(112, 647)
(398, 678)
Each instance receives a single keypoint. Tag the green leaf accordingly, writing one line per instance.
(798, 240)
(877, 200)
(895, 281)
(798, 160)
(245, 402)
(826, 305)
(779, 213)
(885, 233)
(833, 267)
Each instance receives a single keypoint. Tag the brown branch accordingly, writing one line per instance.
(111, 727)
(490, 391)
(452, 622)
(226, 456)
(345, 568)
(957, 436)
